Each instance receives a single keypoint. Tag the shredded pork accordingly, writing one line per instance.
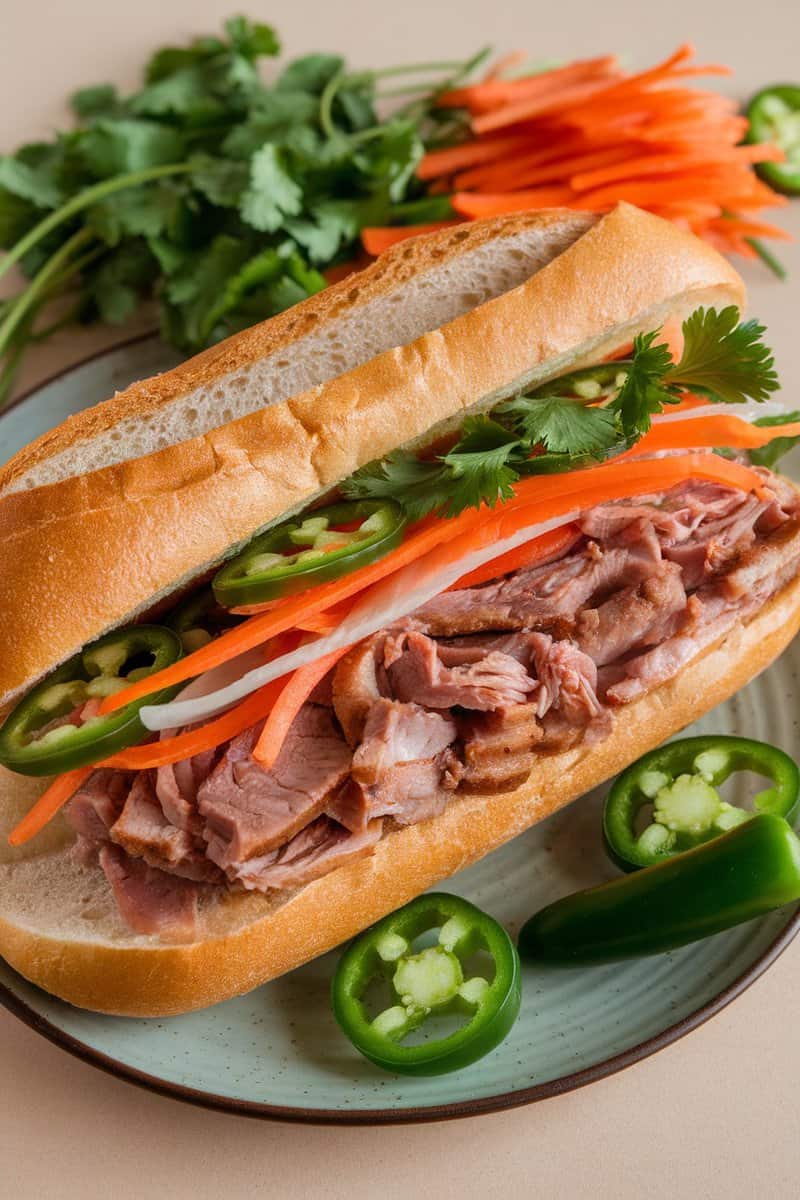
(463, 694)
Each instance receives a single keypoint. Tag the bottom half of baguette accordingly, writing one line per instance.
(59, 926)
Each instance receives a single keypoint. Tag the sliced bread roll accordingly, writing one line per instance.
(396, 356)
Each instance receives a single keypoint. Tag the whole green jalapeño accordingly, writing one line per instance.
(743, 874)
(310, 550)
(53, 729)
(435, 980)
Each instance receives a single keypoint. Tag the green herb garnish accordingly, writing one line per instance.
(220, 194)
(555, 430)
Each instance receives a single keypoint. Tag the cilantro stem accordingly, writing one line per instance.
(768, 258)
(326, 103)
(408, 89)
(417, 109)
(461, 68)
(83, 200)
(40, 285)
(415, 68)
(465, 69)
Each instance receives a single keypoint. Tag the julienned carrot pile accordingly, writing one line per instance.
(588, 135)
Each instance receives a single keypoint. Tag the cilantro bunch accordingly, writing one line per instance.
(221, 194)
(555, 428)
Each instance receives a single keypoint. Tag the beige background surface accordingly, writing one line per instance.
(712, 1116)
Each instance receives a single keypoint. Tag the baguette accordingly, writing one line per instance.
(175, 512)
(60, 929)
(173, 475)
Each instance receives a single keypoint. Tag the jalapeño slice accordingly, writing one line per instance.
(681, 781)
(774, 115)
(310, 550)
(440, 979)
(53, 728)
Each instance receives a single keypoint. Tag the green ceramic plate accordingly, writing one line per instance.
(278, 1053)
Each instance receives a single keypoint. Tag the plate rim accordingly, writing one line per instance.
(416, 1114)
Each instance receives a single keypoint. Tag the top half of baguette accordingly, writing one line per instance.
(129, 501)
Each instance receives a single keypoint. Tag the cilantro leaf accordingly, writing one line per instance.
(29, 182)
(115, 146)
(481, 468)
(354, 103)
(171, 59)
(261, 268)
(723, 359)
(272, 117)
(420, 485)
(196, 286)
(221, 180)
(331, 223)
(96, 101)
(392, 157)
(311, 73)
(481, 465)
(248, 39)
(169, 257)
(769, 455)
(563, 426)
(135, 212)
(304, 276)
(252, 39)
(643, 392)
(120, 281)
(272, 193)
(183, 93)
(16, 215)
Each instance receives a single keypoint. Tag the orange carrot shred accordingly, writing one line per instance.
(534, 553)
(506, 62)
(207, 737)
(51, 801)
(724, 429)
(376, 239)
(287, 706)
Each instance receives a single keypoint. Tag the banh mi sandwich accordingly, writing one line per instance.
(304, 626)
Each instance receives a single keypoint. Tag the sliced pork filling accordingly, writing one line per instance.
(461, 695)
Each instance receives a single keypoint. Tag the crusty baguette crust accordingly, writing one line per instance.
(163, 519)
(164, 980)
(393, 268)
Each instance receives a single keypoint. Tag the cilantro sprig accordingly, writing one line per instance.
(220, 194)
(555, 428)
